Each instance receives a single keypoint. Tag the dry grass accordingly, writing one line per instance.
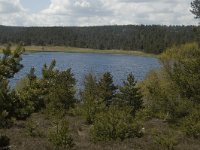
(79, 50)
(80, 132)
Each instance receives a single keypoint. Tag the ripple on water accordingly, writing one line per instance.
(119, 65)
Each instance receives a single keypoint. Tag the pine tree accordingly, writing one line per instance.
(196, 8)
(106, 88)
(9, 66)
(130, 94)
(196, 11)
(60, 88)
(91, 101)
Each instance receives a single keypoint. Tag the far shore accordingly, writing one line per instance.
(80, 50)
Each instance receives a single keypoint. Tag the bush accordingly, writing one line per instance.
(32, 128)
(163, 97)
(115, 123)
(172, 91)
(4, 142)
(191, 124)
(22, 106)
(60, 137)
(5, 120)
(166, 139)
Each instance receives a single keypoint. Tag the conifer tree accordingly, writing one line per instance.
(91, 101)
(130, 94)
(196, 11)
(106, 88)
(9, 66)
(196, 8)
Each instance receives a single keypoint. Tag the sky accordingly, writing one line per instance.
(95, 12)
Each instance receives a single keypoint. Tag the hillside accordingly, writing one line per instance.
(150, 39)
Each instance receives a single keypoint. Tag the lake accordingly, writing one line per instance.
(82, 63)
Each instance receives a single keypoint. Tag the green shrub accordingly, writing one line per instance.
(166, 139)
(191, 123)
(4, 142)
(172, 91)
(163, 97)
(22, 107)
(5, 120)
(115, 123)
(60, 136)
(32, 128)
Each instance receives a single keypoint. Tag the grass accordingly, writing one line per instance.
(80, 50)
(80, 133)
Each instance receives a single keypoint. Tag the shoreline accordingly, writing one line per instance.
(35, 49)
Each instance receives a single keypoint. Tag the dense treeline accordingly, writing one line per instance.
(147, 38)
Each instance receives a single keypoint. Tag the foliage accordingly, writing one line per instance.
(106, 88)
(4, 142)
(9, 65)
(181, 64)
(54, 91)
(10, 62)
(115, 123)
(130, 94)
(92, 104)
(191, 123)
(172, 91)
(29, 96)
(196, 8)
(166, 139)
(163, 99)
(146, 38)
(31, 128)
(61, 89)
(21, 107)
(60, 137)
(196, 11)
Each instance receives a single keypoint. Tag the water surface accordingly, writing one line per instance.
(81, 63)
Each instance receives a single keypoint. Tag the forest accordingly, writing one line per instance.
(159, 113)
(147, 38)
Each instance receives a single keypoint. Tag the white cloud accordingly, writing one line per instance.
(11, 6)
(98, 12)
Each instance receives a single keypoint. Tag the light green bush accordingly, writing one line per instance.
(191, 123)
(166, 140)
(115, 124)
(60, 137)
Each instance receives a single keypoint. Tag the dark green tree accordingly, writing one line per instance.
(60, 88)
(130, 94)
(106, 88)
(196, 11)
(196, 8)
(9, 66)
